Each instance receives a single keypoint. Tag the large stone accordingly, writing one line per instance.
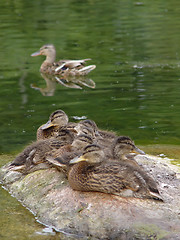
(96, 215)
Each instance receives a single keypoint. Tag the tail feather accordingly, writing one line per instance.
(87, 59)
(87, 69)
(16, 168)
(156, 196)
(53, 161)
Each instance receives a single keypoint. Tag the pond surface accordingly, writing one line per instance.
(135, 46)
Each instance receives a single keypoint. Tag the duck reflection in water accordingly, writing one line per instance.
(70, 82)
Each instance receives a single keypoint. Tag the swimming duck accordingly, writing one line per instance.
(92, 172)
(56, 120)
(63, 67)
(35, 153)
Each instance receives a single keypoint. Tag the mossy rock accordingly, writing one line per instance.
(93, 215)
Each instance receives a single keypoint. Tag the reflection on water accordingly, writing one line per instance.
(69, 82)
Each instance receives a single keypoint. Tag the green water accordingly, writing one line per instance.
(135, 46)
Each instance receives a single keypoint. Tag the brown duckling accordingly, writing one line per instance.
(105, 138)
(35, 153)
(107, 134)
(90, 127)
(80, 129)
(102, 137)
(87, 127)
(92, 172)
(78, 144)
(122, 147)
(50, 129)
(63, 67)
(68, 152)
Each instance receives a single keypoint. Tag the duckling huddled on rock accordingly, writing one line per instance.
(56, 120)
(101, 137)
(92, 159)
(68, 152)
(64, 68)
(93, 171)
(34, 154)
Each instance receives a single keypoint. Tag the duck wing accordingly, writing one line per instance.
(64, 64)
(111, 178)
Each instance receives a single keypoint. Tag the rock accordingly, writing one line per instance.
(93, 215)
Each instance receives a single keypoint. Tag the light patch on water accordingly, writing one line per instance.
(79, 118)
(46, 231)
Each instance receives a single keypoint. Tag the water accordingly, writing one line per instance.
(135, 46)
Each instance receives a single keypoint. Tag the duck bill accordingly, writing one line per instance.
(47, 125)
(138, 151)
(77, 159)
(35, 54)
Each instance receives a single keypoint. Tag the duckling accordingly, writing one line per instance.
(92, 172)
(35, 153)
(50, 129)
(63, 140)
(87, 127)
(68, 152)
(99, 132)
(80, 129)
(64, 68)
(77, 145)
(123, 146)
(89, 123)
(103, 138)
(107, 134)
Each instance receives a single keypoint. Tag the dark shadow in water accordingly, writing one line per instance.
(70, 82)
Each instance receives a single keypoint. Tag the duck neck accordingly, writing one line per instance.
(119, 155)
(48, 62)
(50, 59)
(78, 168)
(77, 175)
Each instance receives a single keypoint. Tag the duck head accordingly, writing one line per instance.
(87, 126)
(47, 50)
(92, 154)
(124, 145)
(56, 119)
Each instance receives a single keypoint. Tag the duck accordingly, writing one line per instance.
(64, 68)
(87, 127)
(105, 138)
(101, 137)
(68, 152)
(35, 153)
(57, 119)
(77, 145)
(93, 172)
(122, 149)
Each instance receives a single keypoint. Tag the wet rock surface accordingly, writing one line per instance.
(93, 215)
